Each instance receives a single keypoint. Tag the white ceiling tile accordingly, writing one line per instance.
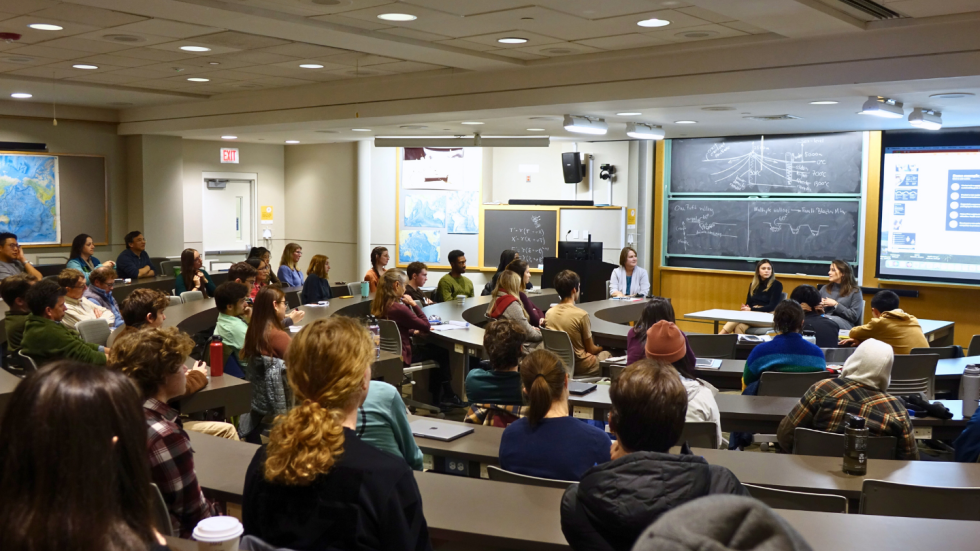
(26, 6)
(356, 72)
(465, 7)
(591, 9)
(712, 31)
(254, 57)
(623, 42)
(106, 78)
(182, 81)
(301, 50)
(294, 65)
(117, 60)
(533, 39)
(417, 35)
(467, 45)
(165, 27)
(21, 60)
(560, 49)
(932, 8)
(67, 65)
(177, 44)
(517, 54)
(145, 73)
(83, 45)
(407, 67)
(279, 82)
(342, 6)
(155, 55)
(44, 52)
(707, 15)
(628, 23)
(222, 62)
(271, 71)
(107, 35)
(28, 35)
(231, 74)
(87, 15)
(434, 22)
(171, 68)
(240, 41)
(45, 71)
(4, 66)
(366, 24)
(358, 59)
(745, 27)
(5, 16)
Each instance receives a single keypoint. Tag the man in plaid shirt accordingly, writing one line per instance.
(860, 390)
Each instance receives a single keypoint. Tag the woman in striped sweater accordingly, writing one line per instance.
(786, 352)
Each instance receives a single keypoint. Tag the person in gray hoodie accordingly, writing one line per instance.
(616, 501)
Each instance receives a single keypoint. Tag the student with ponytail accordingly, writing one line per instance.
(547, 443)
(316, 485)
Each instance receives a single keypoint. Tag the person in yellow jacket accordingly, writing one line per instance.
(889, 324)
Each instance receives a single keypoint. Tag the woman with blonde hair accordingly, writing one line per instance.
(316, 485)
(316, 287)
(506, 304)
(629, 279)
(289, 273)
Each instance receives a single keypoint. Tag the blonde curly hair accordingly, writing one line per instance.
(327, 361)
(149, 355)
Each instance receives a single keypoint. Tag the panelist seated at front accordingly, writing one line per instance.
(629, 279)
(134, 262)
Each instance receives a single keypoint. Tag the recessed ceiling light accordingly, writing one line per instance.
(471, 123)
(696, 34)
(397, 17)
(199, 79)
(628, 114)
(213, 63)
(21, 95)
(952, 95)
(311, 66)
(824, 102)
(45, 27)
(292, 141)
(512, 40)
(361, 129)
(685, 122)
(229, 137)
(535, 129)
(653, 23)
(195, 49)
(85, 66)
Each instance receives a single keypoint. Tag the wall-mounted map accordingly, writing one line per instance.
(418, 245)
(425, 209)
(30, 204)
(462, 210)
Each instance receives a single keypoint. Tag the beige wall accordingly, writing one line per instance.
(163, 205)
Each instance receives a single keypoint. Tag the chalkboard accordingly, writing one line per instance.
(782, 164)
(815, 230)
(532, 233)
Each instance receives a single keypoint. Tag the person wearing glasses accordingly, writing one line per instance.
(12, 261)
(266, 334)
(78, 309)
(101, 283)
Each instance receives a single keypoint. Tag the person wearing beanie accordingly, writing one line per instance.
(861, 390)
(721, 523)
(786, 352)
(667, 343)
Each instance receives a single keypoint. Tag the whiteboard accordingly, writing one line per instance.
(607, 225)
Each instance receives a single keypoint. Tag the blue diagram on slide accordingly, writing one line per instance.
(906, 195)
(420, 245)
(909, 180)
(963, 201)
(899, 209)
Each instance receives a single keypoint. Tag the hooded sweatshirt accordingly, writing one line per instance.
(701, 403)
(616, 501)
(860, 390)
(895, 327)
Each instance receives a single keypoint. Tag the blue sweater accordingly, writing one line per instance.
(289, 277)
(787, 352)
(561, 448)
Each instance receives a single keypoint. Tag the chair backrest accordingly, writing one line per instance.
(912, 374)
(798, 501)
(829, 444)
(838, 355)
(175, 300)
(700, 434)
(112, 336)
(94, 331)
(716, 347)
(974, 349)
(161, 516)
(25, 362)
(560, 343)
(791, 385)
(191, 296)
(354, 288)
(500, 475)
(293, 300)
(892, 499)
(391, 338)
(167, 267)
(944, 352)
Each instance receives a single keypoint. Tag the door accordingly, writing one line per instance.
(228, 217)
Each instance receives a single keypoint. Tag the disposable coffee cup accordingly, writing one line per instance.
(460, 299)
(219, 533)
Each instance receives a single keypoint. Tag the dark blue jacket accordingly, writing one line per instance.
(967, 444)
(315, 289)
(128, 265)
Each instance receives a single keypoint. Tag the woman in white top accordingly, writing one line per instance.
(629, 279)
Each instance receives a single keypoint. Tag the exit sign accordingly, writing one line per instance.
(229, 155)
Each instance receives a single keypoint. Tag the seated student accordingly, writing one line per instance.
(329, 489)
(101, 283)
(379, 261)
(506, 258)
(616, 501)
(77, 308)
(455, 283)
(261, 275)
(418, 274)
(265, 255)
(629, 279)
(317, 287)
(841, 299)
(134, 262)
(826, 329)
(45, 338)
(547, 442)
(786, 352)
(246, 274)
(861, 390)
(80, 257)
(13, 290)
(496, 394)
(193, 277)
(12, 260)
(142, 308)
(967, 444)
(382, 421)
(73, 464)
(890, 325)
(666, 343)
(657, 309)
(234, 313)
(575, 321)
(506, 304)
(534, 314)
(764, 294)
(289, 273)
(266, 335)
(154, 359)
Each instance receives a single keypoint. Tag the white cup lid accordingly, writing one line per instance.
(216, 529)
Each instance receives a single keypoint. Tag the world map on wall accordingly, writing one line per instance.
(30, 198)
(418, 245)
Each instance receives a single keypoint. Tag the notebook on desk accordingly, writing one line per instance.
(580, 389)
(707, 363)
(444, 432)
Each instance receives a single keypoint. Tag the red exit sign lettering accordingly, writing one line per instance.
(229, 155)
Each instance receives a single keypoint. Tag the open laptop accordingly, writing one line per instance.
(444, 432)
(579, 389)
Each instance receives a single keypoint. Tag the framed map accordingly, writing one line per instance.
(419, 245)
(30, 198)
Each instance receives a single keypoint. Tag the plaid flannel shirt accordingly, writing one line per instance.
(493, 414)
(172, 467)
(826, 404)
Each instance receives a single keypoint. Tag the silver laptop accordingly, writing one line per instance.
(444, 432)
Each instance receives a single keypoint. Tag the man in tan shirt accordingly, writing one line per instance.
(889, 324)
(575, 321)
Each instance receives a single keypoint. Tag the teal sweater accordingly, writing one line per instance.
(383, 423)
(47, 340)
(209, 286)
(787, 353)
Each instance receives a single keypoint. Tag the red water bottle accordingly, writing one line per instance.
(217, 357)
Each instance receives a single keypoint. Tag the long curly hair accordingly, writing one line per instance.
(327, 361)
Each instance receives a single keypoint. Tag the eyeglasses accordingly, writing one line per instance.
(278, 302)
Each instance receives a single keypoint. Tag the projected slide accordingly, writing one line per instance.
(930, 213)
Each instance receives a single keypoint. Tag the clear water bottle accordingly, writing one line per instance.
(375, 330)
(970, 385)
(810, 336)
(856, 446)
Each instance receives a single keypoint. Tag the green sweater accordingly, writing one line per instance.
(383, 423)
(450, 287)
(13, 324)
(47, 340)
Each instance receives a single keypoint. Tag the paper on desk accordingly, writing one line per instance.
(446, 326)
(705, 363)
(295, 328)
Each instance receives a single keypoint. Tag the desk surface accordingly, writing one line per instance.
(765, 318)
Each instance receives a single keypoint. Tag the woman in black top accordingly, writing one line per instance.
(316, 485)
(316, 287)
(764, 295)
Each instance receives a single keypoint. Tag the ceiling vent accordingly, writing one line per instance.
(772, 117)
(124, 38)
(873, 9)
